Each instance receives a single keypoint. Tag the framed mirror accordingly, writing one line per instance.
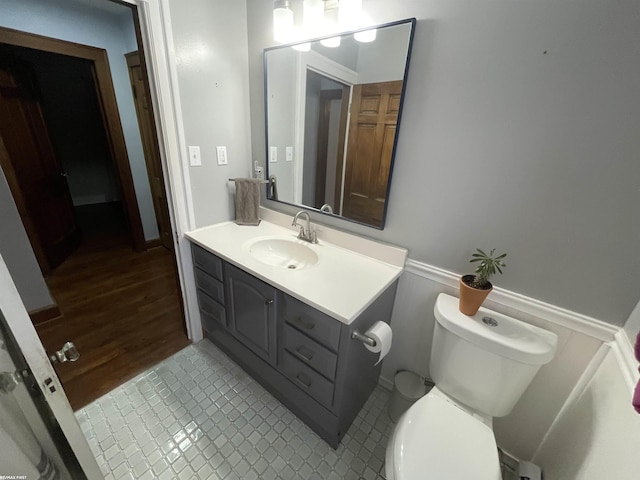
(332, 120)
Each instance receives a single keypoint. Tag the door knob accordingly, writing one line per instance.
(68, 353)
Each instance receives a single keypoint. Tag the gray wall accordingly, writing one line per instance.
(520, 132)
(210, 40)
(18, 255)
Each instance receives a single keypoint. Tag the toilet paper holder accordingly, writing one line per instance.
(363, 338)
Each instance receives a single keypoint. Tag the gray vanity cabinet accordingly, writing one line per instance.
(251, 307)
(305, 358)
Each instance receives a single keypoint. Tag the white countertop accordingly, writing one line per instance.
(342, 284)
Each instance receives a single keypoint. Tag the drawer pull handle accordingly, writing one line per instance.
(304, 324)
(302, 378)
(300, 354)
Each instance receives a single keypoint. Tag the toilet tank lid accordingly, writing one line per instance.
(436, 439)
(508, 337)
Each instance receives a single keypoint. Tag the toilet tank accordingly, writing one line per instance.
(486, 361)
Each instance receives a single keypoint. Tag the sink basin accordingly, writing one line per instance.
(280, 252)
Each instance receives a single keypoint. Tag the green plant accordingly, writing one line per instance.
(486, 268)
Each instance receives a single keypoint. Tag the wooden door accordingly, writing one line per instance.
(146, 124)
(34, 174)
(372, 131)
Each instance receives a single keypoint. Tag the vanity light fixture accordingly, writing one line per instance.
(331, 23)
(320, 18)
(282, 21)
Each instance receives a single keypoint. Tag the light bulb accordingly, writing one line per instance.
(312, 17)
(282, 21)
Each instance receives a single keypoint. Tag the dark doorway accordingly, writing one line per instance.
(65, 90)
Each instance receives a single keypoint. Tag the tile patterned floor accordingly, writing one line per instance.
(197, 415)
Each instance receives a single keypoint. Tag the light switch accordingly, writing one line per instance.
(222, 155)
(194, 156)
(273, 154)
(289, 154)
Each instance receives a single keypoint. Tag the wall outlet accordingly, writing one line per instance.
(273, 154)
(221, 152)
(289, 154)
(194, 156)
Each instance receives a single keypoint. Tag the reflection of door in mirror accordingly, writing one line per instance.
(372, 130)
(326, 112)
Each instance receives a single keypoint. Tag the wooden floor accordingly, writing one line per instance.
(121, 309)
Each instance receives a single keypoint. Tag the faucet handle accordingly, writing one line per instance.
(314, 236)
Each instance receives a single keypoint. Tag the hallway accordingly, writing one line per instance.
(121, 308)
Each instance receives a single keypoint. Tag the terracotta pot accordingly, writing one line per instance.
(471, 298)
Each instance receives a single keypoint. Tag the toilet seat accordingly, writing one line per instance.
(435, 439)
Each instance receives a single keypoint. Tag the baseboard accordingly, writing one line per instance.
(44, 314)
(156, 242)
(505, 298)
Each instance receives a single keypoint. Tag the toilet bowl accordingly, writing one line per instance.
(481, 365)
(436, 439)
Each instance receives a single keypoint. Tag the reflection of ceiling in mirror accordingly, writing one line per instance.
(367, 58)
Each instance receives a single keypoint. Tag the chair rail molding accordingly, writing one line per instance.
(501, 297)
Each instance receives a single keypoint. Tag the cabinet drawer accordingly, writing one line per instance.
(207, 262)
(308, 351)
(214, 288)
(211, 309)
(311, 322)
(310, 381)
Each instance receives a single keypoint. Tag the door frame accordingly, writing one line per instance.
(154, 32)
(111, 115)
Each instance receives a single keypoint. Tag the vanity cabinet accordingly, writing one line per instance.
(305, 358)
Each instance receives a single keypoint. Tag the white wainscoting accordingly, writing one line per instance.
(579, 338)
(597, 434)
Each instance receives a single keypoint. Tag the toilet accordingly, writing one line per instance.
(481, 366)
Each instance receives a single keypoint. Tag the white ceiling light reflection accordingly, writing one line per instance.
(331, 42)
(302, 47)
(366, 36)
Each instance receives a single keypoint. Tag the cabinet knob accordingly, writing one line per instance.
(268, 302)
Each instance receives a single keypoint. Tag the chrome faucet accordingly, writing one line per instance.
(306, 235)
(326, 208)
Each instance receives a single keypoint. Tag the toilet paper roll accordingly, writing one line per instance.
(382, 334)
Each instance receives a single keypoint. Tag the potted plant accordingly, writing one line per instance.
(475, 288)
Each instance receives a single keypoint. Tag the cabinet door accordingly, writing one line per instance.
(251, 306)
